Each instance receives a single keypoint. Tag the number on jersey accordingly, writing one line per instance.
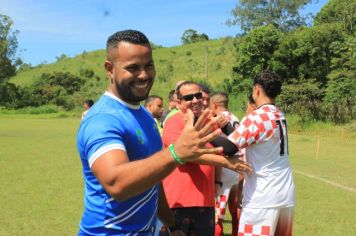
(282, 124)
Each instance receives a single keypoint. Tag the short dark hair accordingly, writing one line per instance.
(130, 36)
(152, 98)
(270, 82)
(250, 99)
(171, 94)
(204, 88)
(221, 98)
(89, 102)
(179, 95)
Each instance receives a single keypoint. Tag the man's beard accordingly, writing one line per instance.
(125, 91)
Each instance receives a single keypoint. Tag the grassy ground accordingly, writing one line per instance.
(41, 187)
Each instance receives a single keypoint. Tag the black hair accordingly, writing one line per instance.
(220, 97)
(204, 88)
(250, 99)
(152, 98)
(171, 94)
(89, 102)
(270, 82)
(130, 36)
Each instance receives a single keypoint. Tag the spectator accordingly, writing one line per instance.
(154, 105)
(190, 187)
(206, 95)
(86, 105)
(172, 104)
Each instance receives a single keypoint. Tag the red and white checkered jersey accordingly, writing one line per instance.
(231, 117)
(263, 133)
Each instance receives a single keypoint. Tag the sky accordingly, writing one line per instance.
(49, 28)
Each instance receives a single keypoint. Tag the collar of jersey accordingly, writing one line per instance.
(136, 107)
(266, 104)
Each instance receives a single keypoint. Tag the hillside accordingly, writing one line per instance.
(186, 62)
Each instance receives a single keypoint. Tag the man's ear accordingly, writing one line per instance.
(109, 67)
(179, 102)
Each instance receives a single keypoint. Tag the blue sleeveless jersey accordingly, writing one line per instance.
(112, 124)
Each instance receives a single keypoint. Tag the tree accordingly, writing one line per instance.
(340, 96)
(8, 46)
(283, 14)
(192, 36)
(254, 54)
(338, 11)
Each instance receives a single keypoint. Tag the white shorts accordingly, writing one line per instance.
(228, 178)
(266, 222)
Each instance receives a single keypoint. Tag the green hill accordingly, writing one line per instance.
(186, 62)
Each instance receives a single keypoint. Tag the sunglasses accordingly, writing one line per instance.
(190, 97)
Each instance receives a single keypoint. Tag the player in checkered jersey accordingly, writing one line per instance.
(268, 193)
(225, 179)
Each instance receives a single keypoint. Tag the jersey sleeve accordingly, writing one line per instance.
(102, 133)
(254, 128)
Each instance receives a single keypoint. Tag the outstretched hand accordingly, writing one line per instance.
(192, 142)
(236, 164)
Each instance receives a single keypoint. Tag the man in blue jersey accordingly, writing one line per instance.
(121, 149)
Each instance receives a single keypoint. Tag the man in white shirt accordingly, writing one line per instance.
(268, 193)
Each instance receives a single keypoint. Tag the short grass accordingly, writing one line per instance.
(41, 190)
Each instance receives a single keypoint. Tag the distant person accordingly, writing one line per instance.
(206, 95)
(226, 180)
(172, 104)
(190, 188)
(86, 105)
(121, 150)
(251, 105)
(154, 105)
(176, 109)
(268, 193)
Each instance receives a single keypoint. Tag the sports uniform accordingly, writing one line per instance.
(228, 178)
(113, 124)
(268, 193)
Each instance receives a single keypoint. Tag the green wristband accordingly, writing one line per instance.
(174, 154)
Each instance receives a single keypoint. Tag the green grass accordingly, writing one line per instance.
(41, 190)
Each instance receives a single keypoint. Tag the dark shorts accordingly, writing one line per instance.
(194, 221)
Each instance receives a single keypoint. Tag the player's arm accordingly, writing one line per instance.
(123, 179)
(233, 163)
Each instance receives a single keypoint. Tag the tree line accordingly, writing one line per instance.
(316, 60)
(316, 63)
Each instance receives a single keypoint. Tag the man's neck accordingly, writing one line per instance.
(264, 101)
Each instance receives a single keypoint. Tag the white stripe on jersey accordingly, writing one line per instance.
(103, 150)
(109, 200)
(128, 212)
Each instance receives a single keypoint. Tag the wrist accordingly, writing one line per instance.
(175, 155)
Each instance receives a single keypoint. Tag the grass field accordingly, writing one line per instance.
(41, 182)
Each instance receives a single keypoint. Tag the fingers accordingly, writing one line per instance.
(245, 167)
(212, 150)
(202, 119)
(189, 118)
(208, 127)
(207, 138)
